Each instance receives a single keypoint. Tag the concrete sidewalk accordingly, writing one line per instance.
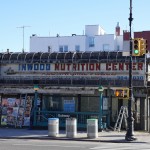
(104, 136)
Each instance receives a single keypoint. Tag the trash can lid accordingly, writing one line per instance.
(53, 118)
(92, 119)
(70, 118)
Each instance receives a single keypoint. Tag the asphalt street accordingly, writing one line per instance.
(29, 144)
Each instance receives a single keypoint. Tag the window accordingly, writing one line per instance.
(91, 42)
(105, 47)
(77, 48)
(63, 48)
(60, 48)
(118, 47)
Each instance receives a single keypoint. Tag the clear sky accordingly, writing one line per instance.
(49, 17)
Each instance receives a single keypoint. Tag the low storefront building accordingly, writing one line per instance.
(68, 86)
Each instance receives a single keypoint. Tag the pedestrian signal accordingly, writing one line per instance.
(122, 93)
(119, 93)
(126, 92)
(143, 46)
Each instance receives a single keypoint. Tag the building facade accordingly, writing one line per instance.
(142, 34)
(60, 77)
(68, 86)
(94, 39)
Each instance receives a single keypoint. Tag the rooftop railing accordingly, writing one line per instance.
(67, 81)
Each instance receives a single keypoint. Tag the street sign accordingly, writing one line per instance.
(36, 87)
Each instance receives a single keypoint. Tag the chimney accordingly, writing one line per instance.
(7, 50)
(117, 29)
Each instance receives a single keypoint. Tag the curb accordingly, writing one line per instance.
(72, 139)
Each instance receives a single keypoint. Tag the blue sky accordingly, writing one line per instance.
(49, 17)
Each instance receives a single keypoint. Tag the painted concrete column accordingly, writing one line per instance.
(100, 89)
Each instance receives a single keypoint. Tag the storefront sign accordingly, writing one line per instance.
(63, 116)
(80, 67)
(97, 66)
(34, 67)
(108, 71)
(69, 105)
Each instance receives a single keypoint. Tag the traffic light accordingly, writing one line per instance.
(136, 47)
(146, 46)
(143, 46)
(119, 93)
(139, 47)
(126, 92)
(122, 93)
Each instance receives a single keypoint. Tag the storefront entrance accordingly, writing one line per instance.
(81, 107)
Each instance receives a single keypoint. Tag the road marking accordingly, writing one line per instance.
(108, 145)
(47, 145)
(96, 148)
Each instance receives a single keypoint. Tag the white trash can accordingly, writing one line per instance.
(92, 128)
(71, 127)
(53, 127)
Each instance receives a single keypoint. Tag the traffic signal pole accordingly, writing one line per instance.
(130, 135)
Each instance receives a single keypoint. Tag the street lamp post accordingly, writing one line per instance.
(129, 135)
(100, 89)
(36, 88)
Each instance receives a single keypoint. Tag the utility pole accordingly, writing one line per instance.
(23, 27)
(129, 135)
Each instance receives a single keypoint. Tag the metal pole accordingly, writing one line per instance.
(100, 89)
(100, 109)
(129, 135)
(35, 107)
(23, 39)
(23, 36)
(147, 97)
(148, 114)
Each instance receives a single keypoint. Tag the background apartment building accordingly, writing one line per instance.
(94, 39)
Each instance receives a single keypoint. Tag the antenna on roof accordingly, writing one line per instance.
(83, 32)
(23, 36)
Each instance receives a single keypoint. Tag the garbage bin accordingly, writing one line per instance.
(92, 128)
(53, 127)
(71, 127)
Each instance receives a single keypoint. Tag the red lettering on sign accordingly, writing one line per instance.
(114, 66)
(91, 67)
(68, 67)
(98, 66)
(140, 66)
(74, 66)
(134, 66)
(82, 65)
(121, 66)
(62, 66)
(56, 66)
(108, 66)
(127, 66)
